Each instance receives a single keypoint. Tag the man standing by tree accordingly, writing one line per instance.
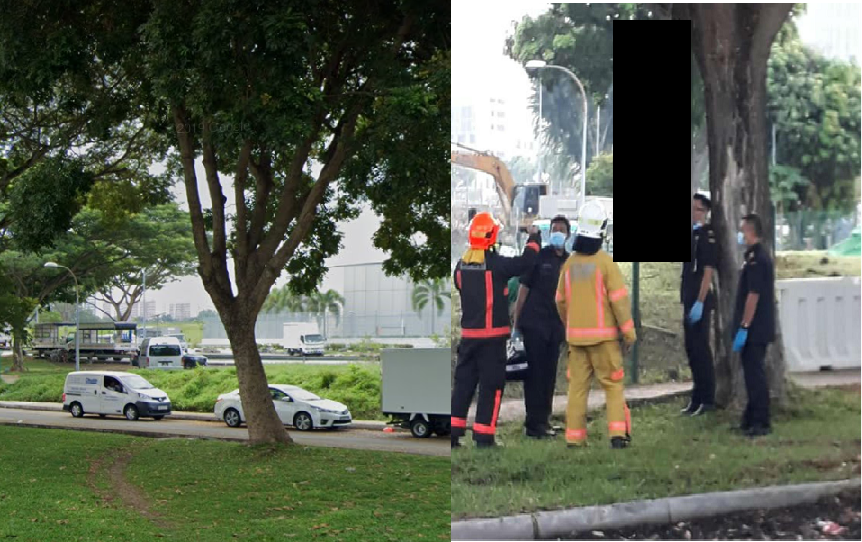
(755, 319)
(698, 301)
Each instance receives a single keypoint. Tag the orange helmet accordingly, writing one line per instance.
(483, 231)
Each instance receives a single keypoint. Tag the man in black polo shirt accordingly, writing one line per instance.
(537, 318)
(755, 318)
(698, 301)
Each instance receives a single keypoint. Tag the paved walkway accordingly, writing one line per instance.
(513, 409)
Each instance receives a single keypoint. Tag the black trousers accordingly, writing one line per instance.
(543, 352)
(757, 409)
(481, 362)
(700, 358)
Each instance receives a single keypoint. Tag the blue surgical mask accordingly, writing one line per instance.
(740, 238)
(557, 239)
(696, 226)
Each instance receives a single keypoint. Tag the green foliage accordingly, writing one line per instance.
(815, 106)
(44, 199)
(601, 176)
(431, 292)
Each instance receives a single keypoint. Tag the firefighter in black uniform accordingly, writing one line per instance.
(537, 318)
(481, 277)
(755, 318)
(698, 301)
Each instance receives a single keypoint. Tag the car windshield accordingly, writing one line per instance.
(136, 382)
(165, 350)
(302, 395)
(313, 338)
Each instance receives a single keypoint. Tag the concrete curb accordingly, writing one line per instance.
(177, 415)
(562, 523)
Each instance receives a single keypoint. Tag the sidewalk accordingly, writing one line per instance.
(512, 410)
(176, 415)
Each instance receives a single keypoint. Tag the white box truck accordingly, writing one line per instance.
(303, 338)
(417, 389)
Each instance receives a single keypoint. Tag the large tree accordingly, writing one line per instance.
(731, 44)
(259, 91)
(157, 240)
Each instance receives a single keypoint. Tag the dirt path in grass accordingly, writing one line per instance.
(111, 469)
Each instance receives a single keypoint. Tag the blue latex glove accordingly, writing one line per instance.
(739, 341)
(696, 313)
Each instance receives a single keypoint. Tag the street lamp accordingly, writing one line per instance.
(77, 317)
(533, 65)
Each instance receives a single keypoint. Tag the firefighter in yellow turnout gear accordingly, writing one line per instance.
(594, 306)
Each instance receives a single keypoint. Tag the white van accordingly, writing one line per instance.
(160, 353)
(110, 392)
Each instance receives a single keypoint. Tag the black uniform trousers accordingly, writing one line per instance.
(481, 362)
(756, 386)
(542, 347)
(700, 358)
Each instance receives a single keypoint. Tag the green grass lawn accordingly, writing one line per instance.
(818, 438)
(357, 386)
(213, 491)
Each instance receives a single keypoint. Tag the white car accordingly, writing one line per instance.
(294, 406)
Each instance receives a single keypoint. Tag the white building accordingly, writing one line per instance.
(137, 311)
(180, 311)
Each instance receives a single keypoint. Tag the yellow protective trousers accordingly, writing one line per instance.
(605, 360)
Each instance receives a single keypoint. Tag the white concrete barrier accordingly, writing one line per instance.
(820, 322)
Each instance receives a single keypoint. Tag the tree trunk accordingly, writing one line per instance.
(17, 351)
(731, 43)
(264, 425)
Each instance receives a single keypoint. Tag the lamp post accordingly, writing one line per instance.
(541, 64)
(77, 316)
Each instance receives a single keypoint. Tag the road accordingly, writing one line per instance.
(359, 439)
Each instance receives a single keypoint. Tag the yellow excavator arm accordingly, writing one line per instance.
(494, 167)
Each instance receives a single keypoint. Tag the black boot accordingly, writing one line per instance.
(619, 442)
(456, 442)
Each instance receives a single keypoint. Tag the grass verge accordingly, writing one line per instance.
(208, 490)
(818, 438)
(357, 386)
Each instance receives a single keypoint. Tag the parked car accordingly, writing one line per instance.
(112, 392)
(190, 361)
(159, 353)
(294, 406)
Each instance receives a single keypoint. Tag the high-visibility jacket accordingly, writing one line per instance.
(593, 301)
(484, 291)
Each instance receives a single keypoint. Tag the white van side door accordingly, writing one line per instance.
(90, 398)
(112, 401)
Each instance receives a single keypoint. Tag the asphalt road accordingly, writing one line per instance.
(359, 439)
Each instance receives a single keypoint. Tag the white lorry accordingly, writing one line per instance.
(417, 389)
(303, 338)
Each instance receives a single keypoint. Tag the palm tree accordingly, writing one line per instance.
(432, 291)
(283, 300)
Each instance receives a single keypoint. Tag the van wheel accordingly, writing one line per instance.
(102, 415)
(420, 428)
(157, 418)
(303, 422)
(232, 418)
(131, 412)
(77, 410)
